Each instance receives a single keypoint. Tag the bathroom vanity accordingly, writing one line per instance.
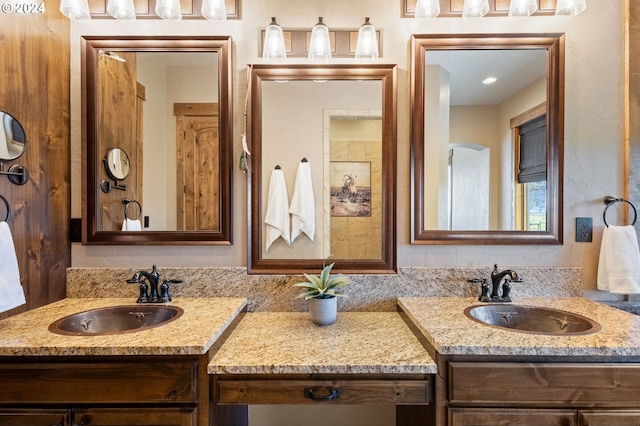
(156, 376)
(283, 358)
(489, 376)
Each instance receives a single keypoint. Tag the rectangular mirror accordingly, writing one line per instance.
(157, 152)
(337, 122)
(486, 138)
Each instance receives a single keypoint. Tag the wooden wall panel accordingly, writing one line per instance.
(632, 108)
(34, 65)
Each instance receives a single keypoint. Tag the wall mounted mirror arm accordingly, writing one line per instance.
(165, 105)
(470, 145)
(342, 120)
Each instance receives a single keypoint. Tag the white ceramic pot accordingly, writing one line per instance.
(323, 311)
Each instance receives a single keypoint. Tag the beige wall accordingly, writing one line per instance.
(593, 123)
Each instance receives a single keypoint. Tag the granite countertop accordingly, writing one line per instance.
(289, 343)
(203, 321)
(445, 326)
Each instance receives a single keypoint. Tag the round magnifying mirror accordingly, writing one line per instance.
(117, 163)
(12, 137)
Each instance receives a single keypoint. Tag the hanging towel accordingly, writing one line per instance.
(131, 225)
(11, 292)
(277, 217)
(619, 263)
(303, 205)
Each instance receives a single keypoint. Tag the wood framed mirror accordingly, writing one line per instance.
(487, 159)
(167, 102)
(340, 122)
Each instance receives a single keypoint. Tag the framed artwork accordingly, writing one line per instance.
(350, 188)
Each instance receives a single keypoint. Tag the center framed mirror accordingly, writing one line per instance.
(322, 175)
(487, 136)
(163, 104)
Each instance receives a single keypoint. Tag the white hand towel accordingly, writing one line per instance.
(11, 292)
(277, 217)
(131, 225)
(303, 205)
(619, 263)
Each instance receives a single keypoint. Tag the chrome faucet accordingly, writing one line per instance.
(509, 276)
(152, 277)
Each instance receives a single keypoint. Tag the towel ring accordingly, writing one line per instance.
(126, 203)
(609, 201)
(6, 203)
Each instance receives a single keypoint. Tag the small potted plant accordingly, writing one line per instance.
(322, 292)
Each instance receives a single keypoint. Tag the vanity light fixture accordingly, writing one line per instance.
(273, 47)
(320, 44)
(427, 8)
(214, 9)
(121, 9)
(475, 8)
(570, 7)
(78, 10)
(523, 7)
(367, 44)
(169, 9)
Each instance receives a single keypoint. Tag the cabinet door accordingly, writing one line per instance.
(608, 418)
(510, 417)
(136, 417)
(34, 417)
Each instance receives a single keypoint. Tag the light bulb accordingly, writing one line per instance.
(320, 44)
(214, 9)
(523, 7)
(475, 8)
(273, 47)
(168, 9)
(367, 44)
(121, 9)
(570, 7)
(427, 8)
(78, 10)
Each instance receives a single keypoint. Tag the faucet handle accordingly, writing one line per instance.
(506, 291)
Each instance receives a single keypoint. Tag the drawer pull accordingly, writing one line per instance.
(310, 393)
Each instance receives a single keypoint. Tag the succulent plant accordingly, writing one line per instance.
(323, 286)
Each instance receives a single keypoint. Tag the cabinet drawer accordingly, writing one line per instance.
(552, 385)
(34, 417)
(98, 382)
(513, 417)
(243, 392)
(608, 418)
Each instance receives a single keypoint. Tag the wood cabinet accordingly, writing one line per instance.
(104, 391)
(609, 417)
(538, 393)
(100, 417)
(412, 395)
(335, 391)
(34, 417)
(511, 417)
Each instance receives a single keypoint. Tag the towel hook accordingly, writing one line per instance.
(6, 203)
(609, 201)
(126, 203)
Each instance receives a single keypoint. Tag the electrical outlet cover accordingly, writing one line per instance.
(584, 229)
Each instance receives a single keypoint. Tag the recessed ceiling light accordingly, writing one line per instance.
(489, 80)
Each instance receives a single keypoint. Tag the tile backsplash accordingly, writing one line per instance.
(377, 292)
